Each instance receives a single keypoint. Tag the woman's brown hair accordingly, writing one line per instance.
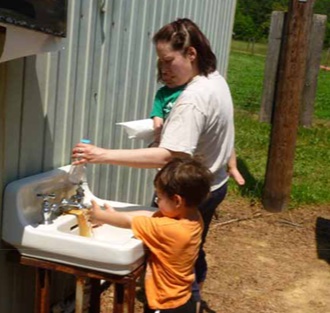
(184, 33)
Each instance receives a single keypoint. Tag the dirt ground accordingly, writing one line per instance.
(265, 262)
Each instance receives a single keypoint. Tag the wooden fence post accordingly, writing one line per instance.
(272, 62)
(291, 79)
(271, 65)
(313, 66)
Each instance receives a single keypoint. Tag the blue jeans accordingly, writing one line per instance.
(207, 210)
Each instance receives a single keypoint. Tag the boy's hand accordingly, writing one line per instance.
(109, 208)
(97, 215)
(108, 216)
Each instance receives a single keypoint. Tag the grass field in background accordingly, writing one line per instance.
(322, 101)
(249, 47)
(311, 181)
(259, 48)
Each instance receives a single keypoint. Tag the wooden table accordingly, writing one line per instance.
(124, 286)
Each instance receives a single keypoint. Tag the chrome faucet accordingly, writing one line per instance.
(66, 205)
(46, 207)
(76, 201)
(80, 194)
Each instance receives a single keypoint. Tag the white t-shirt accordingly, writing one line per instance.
(201, 122)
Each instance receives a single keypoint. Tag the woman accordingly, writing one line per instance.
(200, 122)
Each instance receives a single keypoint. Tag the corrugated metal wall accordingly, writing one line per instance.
(106, 74)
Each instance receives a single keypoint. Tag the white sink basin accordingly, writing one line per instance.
(110, 249)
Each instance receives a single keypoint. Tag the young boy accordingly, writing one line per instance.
(161, 108)
(172, 234)
(164, 100)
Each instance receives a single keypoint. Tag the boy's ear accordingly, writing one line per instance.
(179, 201)
(192, 53)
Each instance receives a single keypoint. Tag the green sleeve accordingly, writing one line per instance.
(157, 106)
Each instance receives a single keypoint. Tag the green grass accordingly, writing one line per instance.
(249, 47)
(249, 68)
(311, 179)
(246, 71)
(325, 60)
(322, 101)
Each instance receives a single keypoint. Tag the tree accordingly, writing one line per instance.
(252, 19)
(323, 7)
(244, 27)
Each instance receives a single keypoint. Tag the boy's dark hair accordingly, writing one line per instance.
(184, 33)
(186, 177)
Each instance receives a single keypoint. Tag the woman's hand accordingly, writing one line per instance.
(86, 153)
(140, 158)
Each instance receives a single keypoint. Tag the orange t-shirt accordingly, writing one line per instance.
(173, 246)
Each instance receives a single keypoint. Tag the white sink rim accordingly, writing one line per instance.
(43, 241)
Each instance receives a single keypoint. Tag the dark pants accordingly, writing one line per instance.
(207, 210)
(189, 307)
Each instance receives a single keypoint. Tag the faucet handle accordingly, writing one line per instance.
(79, 195)
(46, 207)
(80, 191)
(46, 197)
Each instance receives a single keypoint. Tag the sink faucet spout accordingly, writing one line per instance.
(66, 206)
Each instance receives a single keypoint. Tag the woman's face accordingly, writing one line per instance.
(176, 69)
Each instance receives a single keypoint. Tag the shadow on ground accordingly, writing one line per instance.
(322, 237)
(205, 308)
(252, 187)
(140, 295)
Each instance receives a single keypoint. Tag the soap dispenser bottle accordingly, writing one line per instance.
(77, 173)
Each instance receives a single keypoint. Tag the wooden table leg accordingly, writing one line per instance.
(94, 303)
(130, 294)
(118, 298)
(81, 297)
(124, 286)
(42, 292)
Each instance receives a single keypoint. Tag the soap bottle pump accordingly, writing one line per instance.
(77, 173)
